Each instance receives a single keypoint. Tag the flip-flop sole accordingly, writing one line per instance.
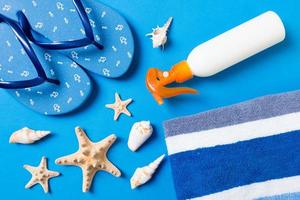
(59, 21)
(47, 98)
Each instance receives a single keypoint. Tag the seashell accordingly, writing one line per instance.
(27, 136)
(139, 133)
(144, 174)
(159, 34)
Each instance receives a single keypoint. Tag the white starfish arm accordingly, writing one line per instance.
(68, 160)
(45, 186)
(112, 106)
(110, 168)
(128, 101)
(126, 112)
(29, 168)
(106, 143)
(30, 183)
(53, 173)
(43, 162)
(117, 97)
(83, 140)
(116, 115)
(88, 176)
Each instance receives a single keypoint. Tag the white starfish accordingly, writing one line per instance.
(119, 106)
(91, 157)
(40, 174)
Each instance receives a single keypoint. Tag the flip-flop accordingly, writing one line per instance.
(112, 46)
(48, 83)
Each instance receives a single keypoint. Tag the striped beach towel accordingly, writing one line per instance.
(250, 150)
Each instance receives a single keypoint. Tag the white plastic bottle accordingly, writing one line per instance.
(236, 44)
(217, 54)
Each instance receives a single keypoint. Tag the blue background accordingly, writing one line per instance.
(195, 21)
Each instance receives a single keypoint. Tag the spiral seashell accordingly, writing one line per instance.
(144, 174)
(159, 34)
(140, 132)
(27, 136)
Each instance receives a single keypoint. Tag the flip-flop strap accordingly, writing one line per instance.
(42, 77)
(46, 43)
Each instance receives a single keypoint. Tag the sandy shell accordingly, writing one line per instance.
(27, 136)
(144, 174)
(140, 132)
(159, 34)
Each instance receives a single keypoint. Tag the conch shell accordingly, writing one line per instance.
(139, 133)
(159, 34)
(144, 174)
(27, 136)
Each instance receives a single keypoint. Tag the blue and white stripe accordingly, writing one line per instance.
(246, 151)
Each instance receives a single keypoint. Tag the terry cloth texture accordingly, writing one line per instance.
(249, 150)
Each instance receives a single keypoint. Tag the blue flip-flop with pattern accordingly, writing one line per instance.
(46, 82)
(95, 36)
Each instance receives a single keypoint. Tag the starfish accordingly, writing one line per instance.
(119, 106)
(90, 157)
(40, 174)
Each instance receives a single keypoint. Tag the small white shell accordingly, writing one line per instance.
(159, 34)
(144, 174)
(27, 136)
(139, 133)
